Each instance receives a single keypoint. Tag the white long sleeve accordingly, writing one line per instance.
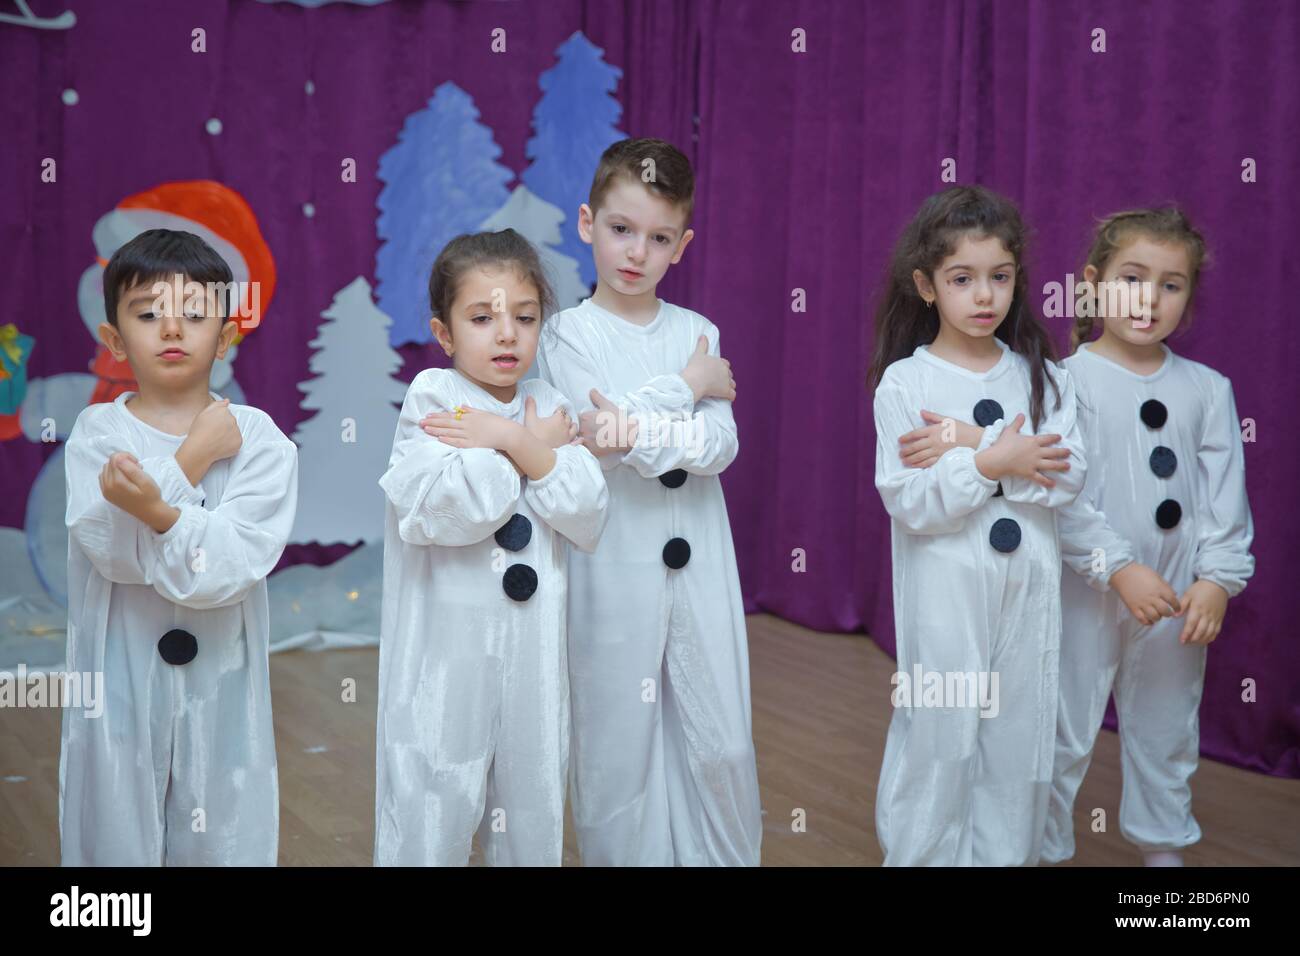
(673, 430)
(1226, 527)
(934, 500)
(1090, 546)
(107, 535)
(442, 494)
(1060, 420)
(572, 497)
(213, 558)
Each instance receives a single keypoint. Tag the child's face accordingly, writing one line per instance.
(170, 338)
(494, 324)
(972, 288)
(635, 236)
(1143, 274)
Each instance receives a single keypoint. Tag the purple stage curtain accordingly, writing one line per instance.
(812, 165)
(808, 166)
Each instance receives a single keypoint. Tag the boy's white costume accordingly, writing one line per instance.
(976, 569)
(1167, 489)
(473, 681)
(179, 769)
(664, 770)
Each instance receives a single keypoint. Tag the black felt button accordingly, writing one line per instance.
(998, 493)
(676, 553)
(1005, 535)
(987, 412)
(1163, 461)
(1169, 513)
(1154, 414)
(673, 479)
(178, 647)
(519, 582)
(515, 534)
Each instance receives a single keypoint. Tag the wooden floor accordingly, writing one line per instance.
(821, 706)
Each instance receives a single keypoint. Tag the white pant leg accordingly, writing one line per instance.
(620, 801)
(114, 768)
(926, 788)
(1094, 628)
(1158, 697)
(712, 776)
(1013, 775)
(439, 735)
(523, 820)
(223, 801)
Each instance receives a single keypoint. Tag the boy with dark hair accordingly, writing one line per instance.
(179, 505)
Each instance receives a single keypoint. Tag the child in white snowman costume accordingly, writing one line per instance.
(664, 764)
(1156, 543)
(486, 490)
(179, 506)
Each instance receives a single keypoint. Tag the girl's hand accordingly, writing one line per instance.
(709, 376)
(924, 446)
(474, 429)
(1023, 456)
(1145, 593)
(1204, 603)
(552, 432)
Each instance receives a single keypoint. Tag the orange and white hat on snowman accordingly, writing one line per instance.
(210, 210)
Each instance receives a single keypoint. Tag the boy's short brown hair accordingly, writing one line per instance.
(667, 173)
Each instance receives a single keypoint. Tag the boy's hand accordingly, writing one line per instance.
(1023, 456)
(1145, 593)
(214, 435)
(709, 376)
(924, 446)
(1204, 603)
(552, 432)
(601, 429)
(474, 429)
(125, 484)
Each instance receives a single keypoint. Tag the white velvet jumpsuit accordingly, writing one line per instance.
(664, 770)
(180, 768)
(473, 727)
(976, 593)
(1166, 488)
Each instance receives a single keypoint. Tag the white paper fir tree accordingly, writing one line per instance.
(344, 447)
(539, 222)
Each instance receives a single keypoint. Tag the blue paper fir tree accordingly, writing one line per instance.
(440, 179)
(573, 123)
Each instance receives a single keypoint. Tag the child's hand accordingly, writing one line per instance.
(601, 430)
(474, 429)
(1023, 456)
(125, 484)
(924, 446)
(1204, 603)
(1145, 593)
(552, 432)
(709, 376)
(216, 432)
